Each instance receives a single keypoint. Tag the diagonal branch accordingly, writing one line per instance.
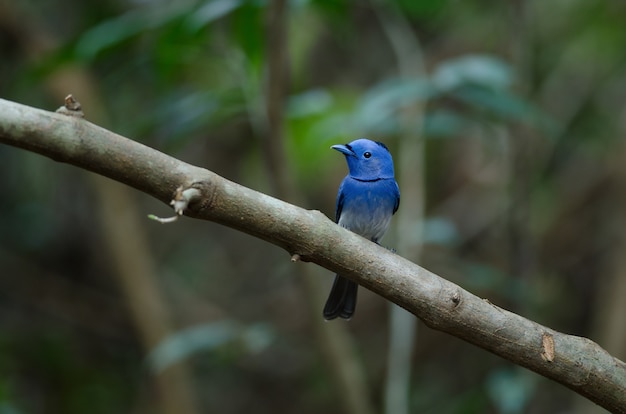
(575, 362)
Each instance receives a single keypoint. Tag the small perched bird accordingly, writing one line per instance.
(367, 198)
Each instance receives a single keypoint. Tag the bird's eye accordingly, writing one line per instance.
(367, 154)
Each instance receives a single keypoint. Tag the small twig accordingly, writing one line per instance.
(181, 201)
(162, 220)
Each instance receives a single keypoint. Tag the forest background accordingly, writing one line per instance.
(507, 123)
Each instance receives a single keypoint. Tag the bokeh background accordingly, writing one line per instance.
(507, 121)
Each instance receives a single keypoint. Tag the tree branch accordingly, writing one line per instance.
(575, 362)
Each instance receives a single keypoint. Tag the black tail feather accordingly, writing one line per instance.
(341, 301)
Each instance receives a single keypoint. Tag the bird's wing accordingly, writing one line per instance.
(339, 206)
(397, 191)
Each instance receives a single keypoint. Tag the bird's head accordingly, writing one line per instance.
(367, 160)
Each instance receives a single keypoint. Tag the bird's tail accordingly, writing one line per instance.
(342, 299)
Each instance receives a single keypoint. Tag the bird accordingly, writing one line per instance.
(368, 196)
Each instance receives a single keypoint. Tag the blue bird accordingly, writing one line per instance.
(368, 197)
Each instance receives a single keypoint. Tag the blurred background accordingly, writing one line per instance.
(507, 123)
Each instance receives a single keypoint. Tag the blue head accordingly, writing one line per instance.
(367, 160)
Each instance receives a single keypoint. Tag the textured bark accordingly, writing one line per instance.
(575, 362)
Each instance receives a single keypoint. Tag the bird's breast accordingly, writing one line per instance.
(367, 214)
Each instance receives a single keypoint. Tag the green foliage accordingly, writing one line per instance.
(246, 26)
(423, 10)
(484, 84)
(209, 337)
(119, 30)
(511, 390)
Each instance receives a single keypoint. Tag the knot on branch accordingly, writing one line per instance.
(71, 107)
(456, 298)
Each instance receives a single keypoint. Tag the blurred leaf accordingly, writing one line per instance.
(188, 342)
(440, 230)
(211, 11)
(423, 8)
(443, 123)
(336, 10)
(510, 390)
(498, 102)
(122, 28)
(485, 83)
(317, 119)
(487, 277)
(340, 126)
(140, 20)
(7, 408)
(248, 32)
(432, 396)
(481, 70)
(378, 107)
(185, 113)
(7, 393)
(309, 103)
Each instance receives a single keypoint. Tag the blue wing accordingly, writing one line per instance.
(339, 205)
(395, 207)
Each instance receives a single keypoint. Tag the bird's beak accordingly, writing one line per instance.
(346, 150)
